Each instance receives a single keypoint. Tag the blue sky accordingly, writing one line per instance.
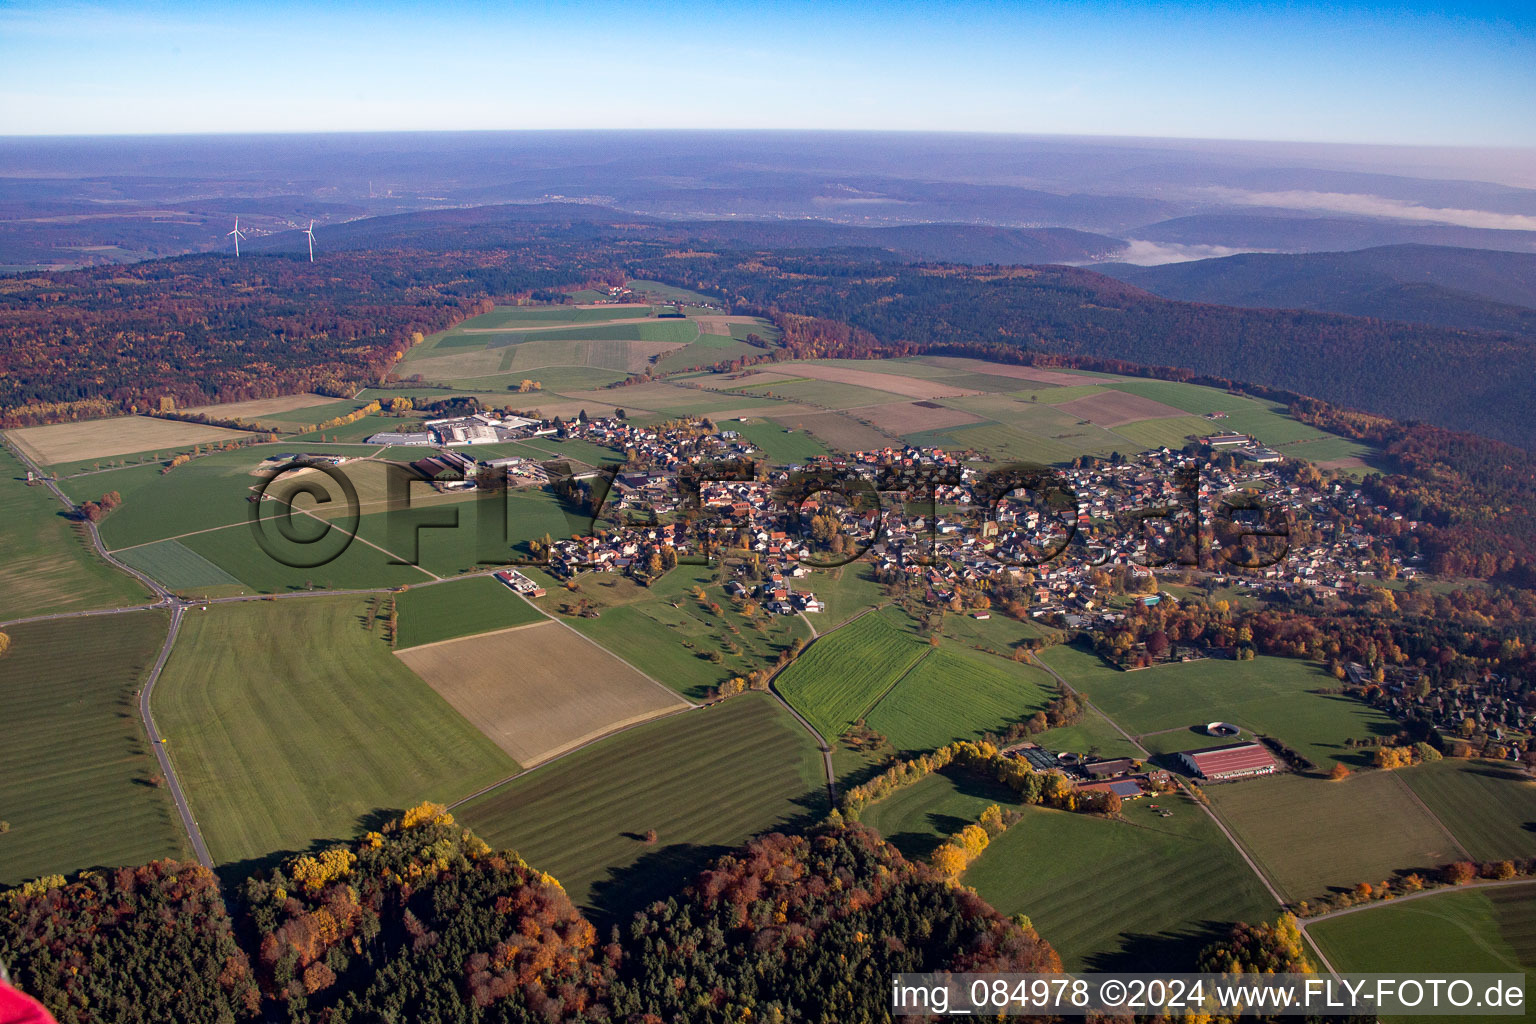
(1340, 72)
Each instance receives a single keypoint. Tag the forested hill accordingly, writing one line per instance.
(205, 328)
(515, 224)
(1432, 284)
(1476, 381)
(197, 329)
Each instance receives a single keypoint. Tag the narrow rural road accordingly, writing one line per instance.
(1038, 663)
(188, 822)
(821, 741)
(1253, 866)
(178, 608)
(1304, 924)
(1421, 895)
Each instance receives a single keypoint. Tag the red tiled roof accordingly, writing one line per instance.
(1241, 757)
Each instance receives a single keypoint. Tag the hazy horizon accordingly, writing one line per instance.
(1404, 74)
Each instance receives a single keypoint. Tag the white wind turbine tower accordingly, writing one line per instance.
(309, 233)
(238, 236)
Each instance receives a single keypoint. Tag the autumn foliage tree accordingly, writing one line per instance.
(131, 946)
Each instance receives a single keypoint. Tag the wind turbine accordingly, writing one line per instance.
(238, 236)
(309, 233)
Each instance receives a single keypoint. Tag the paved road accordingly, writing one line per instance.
(821, 741)
(1303, 925)
(177, 607)
(1038, 663)
(188, 822)
(1421, 895)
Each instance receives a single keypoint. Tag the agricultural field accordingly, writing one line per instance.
(1092, 735)
(669, 293)
(284, 411)
(839, 432)
(917, 818)
(49, 565)
(291, 724)
(570, 349)
(666, 632)
(1270, 696)
(842, 676)
(1476, 930)
(847, 590)
(781, 446)
(954, 694)
(179, 568)
(1143, 893)
(463, 542)
(430, 614)
(77, 776)
(207, 492)
(1309, 835)
(705, 780)
(1487, 805)
(539, 690)
(902, 418)
(101, 439)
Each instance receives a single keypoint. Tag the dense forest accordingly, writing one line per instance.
(131, 946)
(212, 327)
(199, 329)
(1390, 368)
(421, 921)
(811, 928)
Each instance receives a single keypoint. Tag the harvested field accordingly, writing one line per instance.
(1035, 373)
(907, 387)
(910, 417)
(722, 324)
(839, 432)
(259, 407)
(537, 691)
(100, 439)
(1113, 408)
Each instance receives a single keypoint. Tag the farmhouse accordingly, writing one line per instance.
(1233, 761)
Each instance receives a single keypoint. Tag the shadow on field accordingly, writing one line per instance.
(655, 876)
(1163, 951)
(232, 874)
(663, 870)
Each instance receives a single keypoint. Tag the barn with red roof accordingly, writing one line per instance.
(1233, 761)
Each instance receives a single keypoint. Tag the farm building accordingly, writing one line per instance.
(1233, 761)
(400, 440)
(1125, 789)
(1108, 769)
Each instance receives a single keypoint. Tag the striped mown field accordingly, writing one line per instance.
(76, 770)
(705, 780)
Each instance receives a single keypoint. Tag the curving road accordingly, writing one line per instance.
(177, 608)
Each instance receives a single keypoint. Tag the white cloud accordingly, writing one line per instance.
(1366, 205)
(1152, 254)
